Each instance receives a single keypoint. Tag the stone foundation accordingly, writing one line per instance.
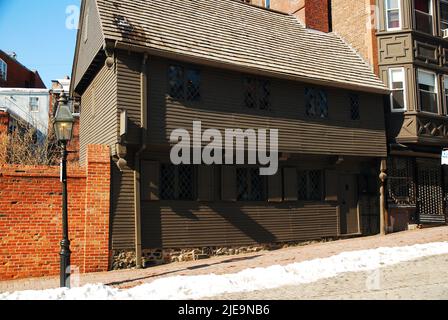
(123, 259)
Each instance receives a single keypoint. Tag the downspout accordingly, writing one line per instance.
(137, 160)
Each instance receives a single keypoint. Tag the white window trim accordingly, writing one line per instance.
(38, 105)
(6, 69)
(436, 89)
(386, 10)
(405, 100)
(445, 95)
(431, 13)
(440, 22)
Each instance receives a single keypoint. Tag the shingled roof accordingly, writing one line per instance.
(233, 33)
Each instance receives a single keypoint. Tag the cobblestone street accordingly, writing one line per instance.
(416, 280)
(234, 264)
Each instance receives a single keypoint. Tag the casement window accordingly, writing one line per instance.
(393, 14)
(316, 103)
(354, 106)
(423, 16)
(257, 93)
(445, 92)
(310, 185)
(443, 14)
(397, 85)
(3, 70)
(184, 83)
(177, 182)
(250, 185)
(34, 104)
(427, 88)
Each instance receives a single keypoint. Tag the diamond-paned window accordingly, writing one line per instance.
(193, 85)
(354, 107)
(184, 83)
(401, 187)
(167, 181)
(310, 185)
(257, 93)
(176, 82)
(177, 182)
(316, 103)
(251, 186)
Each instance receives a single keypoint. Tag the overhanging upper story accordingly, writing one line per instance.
(127, 52)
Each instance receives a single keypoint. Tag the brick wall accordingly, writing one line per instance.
(30, 217)
(354, 20)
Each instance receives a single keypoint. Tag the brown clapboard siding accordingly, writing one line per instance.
(87, 50)
(222, 106)
(186, 224)
(98, 119)
(122, 209)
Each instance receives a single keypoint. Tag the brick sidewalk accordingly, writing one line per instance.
(233, 264)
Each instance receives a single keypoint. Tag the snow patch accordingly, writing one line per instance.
(195, 287)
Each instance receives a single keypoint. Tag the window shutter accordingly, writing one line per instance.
(290, 179)
(206, 184)
(275, 187)
(331, 185)
(228, 178)
(150, 181)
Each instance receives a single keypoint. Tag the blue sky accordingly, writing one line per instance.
(37, 31)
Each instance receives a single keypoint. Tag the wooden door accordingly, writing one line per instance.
(348, 202)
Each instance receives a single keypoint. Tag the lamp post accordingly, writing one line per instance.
(63, 128)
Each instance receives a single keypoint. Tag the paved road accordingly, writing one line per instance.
(417, 280)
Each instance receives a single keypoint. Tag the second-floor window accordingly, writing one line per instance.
(397, 86)
(316, 101)
(354, 107)
(427, 88)
(257, 93)
(184, 83)
(393, 14)
(443, 14)
(424, 16)
(34, 104)
(3, 70)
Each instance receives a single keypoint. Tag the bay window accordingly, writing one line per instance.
(423, 16)
(398, 91)
(445, 89)
(393, 14)
(427, 88)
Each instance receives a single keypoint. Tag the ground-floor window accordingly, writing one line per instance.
(401, 185)
(177, 182)
(251, 186)
(310, 185)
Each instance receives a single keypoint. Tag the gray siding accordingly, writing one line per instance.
(87, 50)
(99, 112)
(222, 106)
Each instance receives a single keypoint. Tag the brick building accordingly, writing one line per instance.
(13, 74)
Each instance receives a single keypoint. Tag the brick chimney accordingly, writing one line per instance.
(314, 14)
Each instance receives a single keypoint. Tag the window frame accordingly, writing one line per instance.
(351, 97)
(185, 71)
(431, 13)
(307, 174)
(405, 100)
(445, 94)
(400, 19)
(30, 105)
(262, 93)
(248, 181)
(317, 93)
(436, 90)
(3, 63)
(176, 183)
(442, 21)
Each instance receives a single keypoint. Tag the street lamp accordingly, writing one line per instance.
(63, 128)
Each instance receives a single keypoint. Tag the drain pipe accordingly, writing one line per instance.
(137, 160)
